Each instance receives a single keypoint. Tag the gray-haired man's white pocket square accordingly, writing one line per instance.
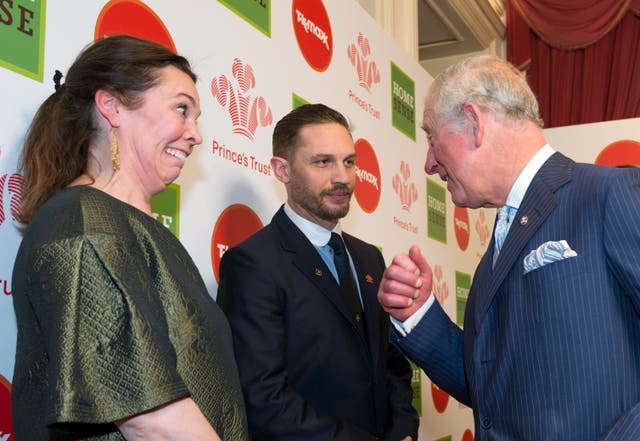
(547, 253)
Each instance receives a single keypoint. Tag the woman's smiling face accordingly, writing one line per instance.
(156, 137)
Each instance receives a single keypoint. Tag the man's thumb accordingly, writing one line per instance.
(416, 255)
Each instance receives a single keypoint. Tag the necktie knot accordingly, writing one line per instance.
(337, 245)
(502, 225)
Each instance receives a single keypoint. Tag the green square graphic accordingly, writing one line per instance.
(463, 284)
(416, 386)
(403, 102)
(22, 36)
(255, 12)
(436, 212)
(297, 101)
(446, 438)
(165, 207)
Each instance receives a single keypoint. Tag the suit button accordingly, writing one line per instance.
(486, 423)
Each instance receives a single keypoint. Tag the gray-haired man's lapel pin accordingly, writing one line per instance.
(524, 220)
(318, 272)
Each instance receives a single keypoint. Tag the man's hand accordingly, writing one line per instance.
(405, 285)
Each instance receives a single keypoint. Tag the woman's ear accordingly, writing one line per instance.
(107, 104)
(280, 168)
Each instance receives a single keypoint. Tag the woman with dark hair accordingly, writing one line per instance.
(118, 337)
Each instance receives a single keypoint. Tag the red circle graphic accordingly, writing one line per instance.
(236, 223)
(132, 17)
(312, 28)
(368, 186)
(440, 398)
(467, 435)
(461, 227)
(6, 423)
(623, 152)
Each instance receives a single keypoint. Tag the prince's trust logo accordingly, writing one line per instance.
(10, 196)
(408, 194)
(368, 73)
(440, 287)
(405, 190)
(10, 203)
(246, 111)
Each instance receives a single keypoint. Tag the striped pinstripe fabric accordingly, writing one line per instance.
(553, 354)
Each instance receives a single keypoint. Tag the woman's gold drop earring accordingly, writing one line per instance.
(115, 152)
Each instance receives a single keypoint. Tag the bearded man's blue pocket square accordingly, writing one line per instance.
(548, 252)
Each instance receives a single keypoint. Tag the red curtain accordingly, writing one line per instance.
(582, 57)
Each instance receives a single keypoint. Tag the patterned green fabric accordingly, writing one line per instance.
(113, 319)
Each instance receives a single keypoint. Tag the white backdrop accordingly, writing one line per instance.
(226, 190)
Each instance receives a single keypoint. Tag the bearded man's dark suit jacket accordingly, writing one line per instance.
(553, 354)
(306, 372)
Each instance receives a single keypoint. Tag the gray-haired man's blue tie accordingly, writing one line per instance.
(505, 216)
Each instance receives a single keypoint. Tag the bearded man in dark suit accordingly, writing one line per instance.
(310, 337)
